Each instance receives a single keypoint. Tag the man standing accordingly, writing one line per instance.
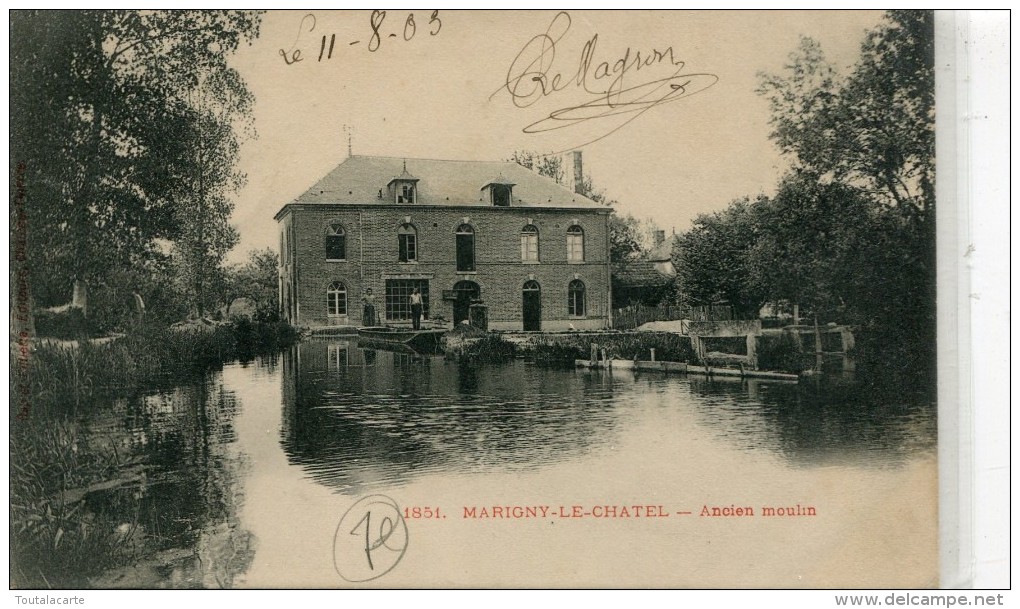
(416, 308)
(368, 309)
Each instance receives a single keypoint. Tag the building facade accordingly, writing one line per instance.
(535, 253)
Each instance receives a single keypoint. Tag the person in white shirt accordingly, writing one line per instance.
(416, 308)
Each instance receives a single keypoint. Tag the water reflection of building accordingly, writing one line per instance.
(357, 417)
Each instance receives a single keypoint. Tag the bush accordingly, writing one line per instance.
(669, 347)
(556, 356)
(491, 349)
(69, 324)
(254, 337)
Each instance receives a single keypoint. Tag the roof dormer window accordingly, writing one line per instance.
(500, 191)
(404, 188)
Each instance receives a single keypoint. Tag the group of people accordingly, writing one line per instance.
(369, 317)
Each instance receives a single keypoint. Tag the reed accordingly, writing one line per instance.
(55, 540)
(563, 349)
(490, 349)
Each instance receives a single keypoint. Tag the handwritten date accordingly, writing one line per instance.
(377, 21)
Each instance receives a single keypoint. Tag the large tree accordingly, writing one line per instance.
(218, 109)
(874, 128)
(714, 258)
(100, 109)
(257, 280)
(808, 244)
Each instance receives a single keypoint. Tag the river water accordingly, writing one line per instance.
(251, 470)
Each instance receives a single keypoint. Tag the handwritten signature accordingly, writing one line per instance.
(370, 539)
(531, 78)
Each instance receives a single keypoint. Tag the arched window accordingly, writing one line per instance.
(336, 299)
(336, 243)
(407, 243)
(465, 248)
(575, 244)
(575, 298)
(529, 243)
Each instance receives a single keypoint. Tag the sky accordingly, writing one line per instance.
(479, 85)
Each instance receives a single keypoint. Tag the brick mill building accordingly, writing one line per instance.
(461, 232)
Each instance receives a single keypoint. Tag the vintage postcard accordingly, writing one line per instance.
(460, 299)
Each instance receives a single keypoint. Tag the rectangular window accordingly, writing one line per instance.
(405, 193)
(500, 195)
(339, 355)
(408, 243)
(398, 298)
(336, 303)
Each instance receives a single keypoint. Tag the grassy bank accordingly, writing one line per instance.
(62, 378)
(57, 539)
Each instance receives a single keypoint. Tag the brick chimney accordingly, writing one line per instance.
(578, 173)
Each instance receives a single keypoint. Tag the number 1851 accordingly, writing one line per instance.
(421, 513)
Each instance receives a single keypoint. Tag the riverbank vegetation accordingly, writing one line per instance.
(63, 377)
(56, 461)
(491, 349)
(564, 349)
(126, 170)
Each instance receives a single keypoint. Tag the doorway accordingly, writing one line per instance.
(532, 307)
(464, 292)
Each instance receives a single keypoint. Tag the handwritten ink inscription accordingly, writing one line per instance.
(370, 539)
(618, 88)
(378, 25)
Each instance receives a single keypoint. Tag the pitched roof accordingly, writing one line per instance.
(663, 251)
(457, 183)
(638, 273)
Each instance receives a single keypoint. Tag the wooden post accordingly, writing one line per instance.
(594, 354)
(653, 354)
(818, 347)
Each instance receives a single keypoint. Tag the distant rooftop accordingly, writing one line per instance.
(663, 251)
(457, 183)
